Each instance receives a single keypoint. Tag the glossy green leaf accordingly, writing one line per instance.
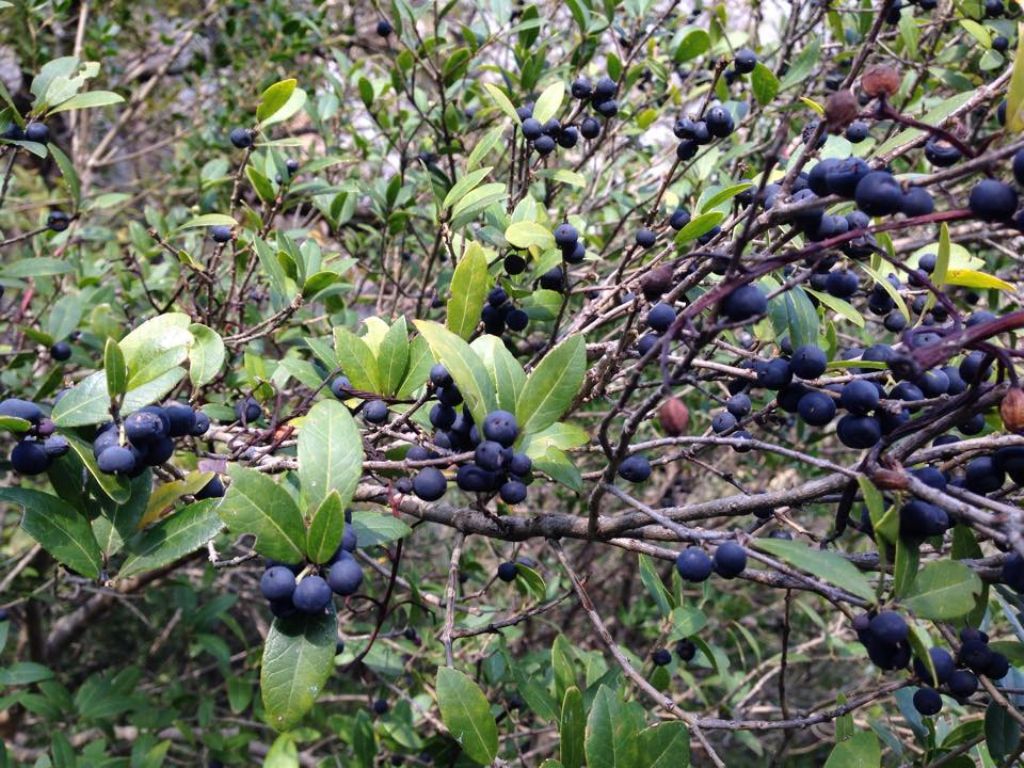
(373, 528)
(59, 528)
(296, 101)
(210, 220)
(464, 366)
(523, 234)
(330, 453)
(828, 566)
(393, 356)
(764, 84)
(117, 523)
(467, 715)
(552, 385)
(470, 284)
(180, 534)
(298, 658)
(275, 97)
(572, 729)
(465, 185)
(611, 739)
(68, 175)
(506, 372)
(665, 745)
(859, 751)
(115, 487)
(205, 356)
(87, 100)
(698, 226)
(255, 504)
(356, 360)
(943, 590)
(503, 101)
(326, 529)
(549, 102)
(115, 369)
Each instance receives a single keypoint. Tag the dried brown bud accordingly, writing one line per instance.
(880, 80)
(841, 109)
(889, 479)
(674, 416)
(1012, 409)
(656, 282)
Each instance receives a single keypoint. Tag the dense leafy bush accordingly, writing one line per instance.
(618, 384)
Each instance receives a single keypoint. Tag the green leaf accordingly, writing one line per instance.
(64, 317)
(40, 266)
(165, 495)
(537, 696)
(470, 284)
(506, 372)
(174, 537)
(611, 739)
(859, 751)
(552, 385)
(558, 466)
(571, 729)
(655, 586)
(155, 336)
(117, 523)
(908, 557)
(837, 305)
(503, 102)
(827, 566)
(943, 590)
(87, 100)
(295, 102)
(260, 183)
(326, 529)
(86, 403)
(25, 673)
(205, 356)
(523, 234)
(1015, 95)
(723, 195)
(115, 369)
(465, 185)
(209, 220)
(393, 356)
(373, 528)
(476, 202)
(330, 453)
(971, 278)
(764, 84)
(356, 360)
(68, 174)
(666, 745)
(298, 658)
(256, 504)
(464, 366)
(693, 44)
(59, 528)
(698, 226)
(283, 753)
(793, 314)
(549, 101)
(467, 715)
(1002, 731)
(804, 64)
(275, 97)
(114, 486)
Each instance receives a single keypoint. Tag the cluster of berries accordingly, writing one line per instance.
(38, 446)
(148, 440)
(495, 468)
(292, 589)
(499, 313)
(885, 635)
